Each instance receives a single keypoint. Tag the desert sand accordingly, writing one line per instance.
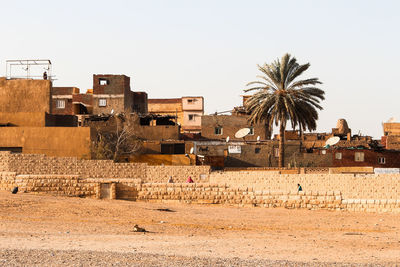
(38, 230)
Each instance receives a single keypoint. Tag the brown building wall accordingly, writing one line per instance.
(263, 154)
(230, 125)
(172, 106)
(160, 132)
(116, 91)
(68, 107)
(24, 102)
(52, 141)
(140, 102)
(392, 158)
(391, 128)
(392, 141)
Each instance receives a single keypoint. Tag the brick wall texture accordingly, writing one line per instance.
(140, 182)
(43, 165)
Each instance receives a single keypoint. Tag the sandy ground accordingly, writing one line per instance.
(46, 230)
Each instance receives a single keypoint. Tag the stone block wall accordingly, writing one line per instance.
(68, 185)
(384, 186)
(222, 194)
(4, 161)
(44, 165)
(160, 174)
(210, 193)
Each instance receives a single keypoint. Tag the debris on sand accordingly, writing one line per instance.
(353, 233)
(136, 228)
(166, 210)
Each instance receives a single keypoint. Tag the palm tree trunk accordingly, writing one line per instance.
(281, 161)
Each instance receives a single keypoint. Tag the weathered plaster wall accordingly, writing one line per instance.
(24, 102)
(52, 141)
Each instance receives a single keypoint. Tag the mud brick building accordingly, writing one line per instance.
(219, 127)
(28, 126)
(61, 100)
(188, 111)
(391, 135)
(109, 93)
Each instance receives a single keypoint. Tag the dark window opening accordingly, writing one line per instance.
(191, 117)
(103, 81)
(164, 121)
(251, 131)
(218, 130)
(257, 150)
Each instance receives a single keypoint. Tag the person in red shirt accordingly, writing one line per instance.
(189, 180)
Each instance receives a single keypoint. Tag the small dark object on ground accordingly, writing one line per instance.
(15, 190)
(353, 233)
(136, 228)
(167, 210)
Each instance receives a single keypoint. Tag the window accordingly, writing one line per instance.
(338, 155)
(359, 156)
(276, 152)
(251, 131)
(102, 102)
(257, 150)
(218, 130)
(191, 117)
(381, 160)
(103, 81)
(190, 101)
(60, 104)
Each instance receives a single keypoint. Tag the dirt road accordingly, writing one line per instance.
(39, 229)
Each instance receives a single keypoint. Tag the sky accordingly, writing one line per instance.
(211, 48)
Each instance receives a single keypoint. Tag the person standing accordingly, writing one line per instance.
(299, 188)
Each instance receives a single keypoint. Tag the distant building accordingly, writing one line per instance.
(188, 111)
(110, 93)
(391, 135)
(28, 126)
(113, 93)
(219, 127)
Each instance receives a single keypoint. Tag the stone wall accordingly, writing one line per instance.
(69, 185)
(200, 193)
(90, 178)
(352, 186)
(44, 165)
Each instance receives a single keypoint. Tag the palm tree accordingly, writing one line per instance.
(280, 98)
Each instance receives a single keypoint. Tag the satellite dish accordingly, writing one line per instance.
(242, 132)
(191, 150)
(227, 139)
(332, 141)
(258, 138)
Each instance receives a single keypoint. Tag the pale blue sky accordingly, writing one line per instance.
(211, 48)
